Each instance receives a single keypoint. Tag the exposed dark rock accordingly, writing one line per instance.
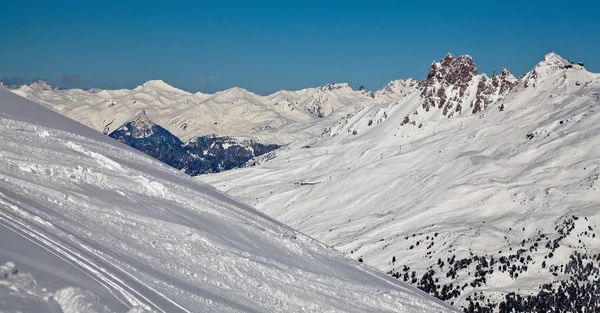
(447, 86)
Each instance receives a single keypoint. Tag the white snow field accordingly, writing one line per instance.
(512, 180)
(87, 224)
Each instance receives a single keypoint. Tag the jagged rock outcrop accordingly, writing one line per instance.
(492, 90)
(453, 83)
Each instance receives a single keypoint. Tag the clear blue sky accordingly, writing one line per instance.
(270, 45)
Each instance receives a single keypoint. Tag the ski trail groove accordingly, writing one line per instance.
(110, 281)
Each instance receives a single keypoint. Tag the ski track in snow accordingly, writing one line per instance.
(87, 264)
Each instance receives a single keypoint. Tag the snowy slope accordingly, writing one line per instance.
(428, 198)
(90, 225)
(234, 112)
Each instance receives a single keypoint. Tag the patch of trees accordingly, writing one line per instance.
(577, 291)
(208, 154)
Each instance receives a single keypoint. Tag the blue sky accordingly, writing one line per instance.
(265, 46)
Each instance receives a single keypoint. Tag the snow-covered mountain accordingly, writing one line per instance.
(88, 224)
(217, 132)
(396, 89)
(235, 112)
(494, 209)
(206, 154)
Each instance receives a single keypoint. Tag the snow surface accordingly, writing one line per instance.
(375, 187)
(90, 225)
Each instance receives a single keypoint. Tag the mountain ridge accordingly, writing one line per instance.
(278, 118)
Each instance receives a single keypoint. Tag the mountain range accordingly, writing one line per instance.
(201, 133)
(235, 112)
(479, 190)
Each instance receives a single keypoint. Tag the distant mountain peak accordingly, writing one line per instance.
(159, 84)
(335, 86)
(141, 126)
(156, 83)
(142, 121)
(451, 70)
(237, 90)
(40, 85)
(396, 89)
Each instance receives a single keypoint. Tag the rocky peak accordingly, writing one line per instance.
(447, 59)
(334, 86)
(141, 125)
(505, 82)
(446, 83)
(453, 82)
(40, 85)
(506, 74)
(451, 70)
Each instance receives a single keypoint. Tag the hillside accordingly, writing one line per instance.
(494, 208)
(88, 224)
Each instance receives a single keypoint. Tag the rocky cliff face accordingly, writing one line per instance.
(453, 85)
(492, 90)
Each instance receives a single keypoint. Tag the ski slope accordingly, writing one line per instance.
(409, 190)
(89, 225)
